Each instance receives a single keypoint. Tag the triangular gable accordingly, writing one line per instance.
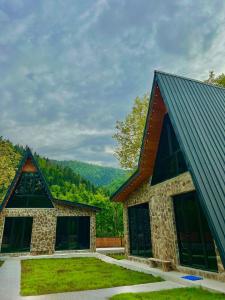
(196, 111)
(28, 181)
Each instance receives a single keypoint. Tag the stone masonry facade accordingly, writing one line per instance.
(44, 225)
(162, 219)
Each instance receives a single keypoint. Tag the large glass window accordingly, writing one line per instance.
(139, 230)
(196, 245)
(72, 233)
(30, 192)
(17, 234)
(169, 160)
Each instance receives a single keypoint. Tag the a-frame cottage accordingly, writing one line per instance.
(31, 220)
(174, 204)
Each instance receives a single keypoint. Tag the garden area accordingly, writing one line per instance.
(46, 276)
(175, 294)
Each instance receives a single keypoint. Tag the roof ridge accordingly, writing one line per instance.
(188, 78)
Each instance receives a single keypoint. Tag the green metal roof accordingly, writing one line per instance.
(197, 113)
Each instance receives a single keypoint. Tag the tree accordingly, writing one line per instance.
(219, 80)
(129, 134)
(130, 131)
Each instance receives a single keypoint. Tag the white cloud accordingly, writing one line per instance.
(70, 69)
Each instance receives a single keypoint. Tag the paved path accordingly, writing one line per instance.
(113, 250)
(10, 280)
(103, 294)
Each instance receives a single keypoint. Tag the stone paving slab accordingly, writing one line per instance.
(103, 294)
(10, 280)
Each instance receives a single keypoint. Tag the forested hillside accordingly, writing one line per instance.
(64, 184)
(97, 175)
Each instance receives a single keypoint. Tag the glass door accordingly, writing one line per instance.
(139, 230)
(17, 234)
(196, 245)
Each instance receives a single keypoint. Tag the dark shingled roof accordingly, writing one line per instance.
(197, 113)
(76, 204)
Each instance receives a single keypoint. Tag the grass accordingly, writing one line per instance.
(175, 294)
(1, 262)
(117, 256)
(46, 276)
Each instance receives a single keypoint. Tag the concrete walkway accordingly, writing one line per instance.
(10, 280)
(112, 250)
(103, 294)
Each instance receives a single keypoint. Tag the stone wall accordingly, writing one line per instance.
(44, 225)
(162, 219)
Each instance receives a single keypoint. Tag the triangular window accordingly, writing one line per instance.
(30, 190)
(169, 160)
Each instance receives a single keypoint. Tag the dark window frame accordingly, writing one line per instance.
(188, 256)
(18, 232)
(29, 192)
(140, 238)
(73, 233)
(169, 161)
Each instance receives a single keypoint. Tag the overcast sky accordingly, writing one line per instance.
(69, 69)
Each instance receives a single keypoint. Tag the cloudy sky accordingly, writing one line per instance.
(70, 68)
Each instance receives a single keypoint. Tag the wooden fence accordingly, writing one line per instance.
(107, 242)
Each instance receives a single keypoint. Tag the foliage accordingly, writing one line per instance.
(174, 294)
(1, 262)
(45, 276)
(217, 80)
(64, 184)
(130, 131)
(129, 134)
(9, 159)
(117, 256)
(97, 175)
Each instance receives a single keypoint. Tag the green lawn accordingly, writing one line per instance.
(46, 276)
(117, 256)
(1, 262)
(175, 294)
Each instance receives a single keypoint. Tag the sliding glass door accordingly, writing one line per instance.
(139, 230)
(72, 233)
(196, 245)
(17, 234)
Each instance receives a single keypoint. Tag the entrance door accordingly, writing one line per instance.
(17, 234)
(139, 230)
(196, 245)
(72, 233)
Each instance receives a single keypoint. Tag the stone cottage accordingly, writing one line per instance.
(174, 204)
(31, 220)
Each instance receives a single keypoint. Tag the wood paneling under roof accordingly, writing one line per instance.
(29, 167)
(149, 147)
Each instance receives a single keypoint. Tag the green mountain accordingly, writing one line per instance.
(107, 177)
(64, 184)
